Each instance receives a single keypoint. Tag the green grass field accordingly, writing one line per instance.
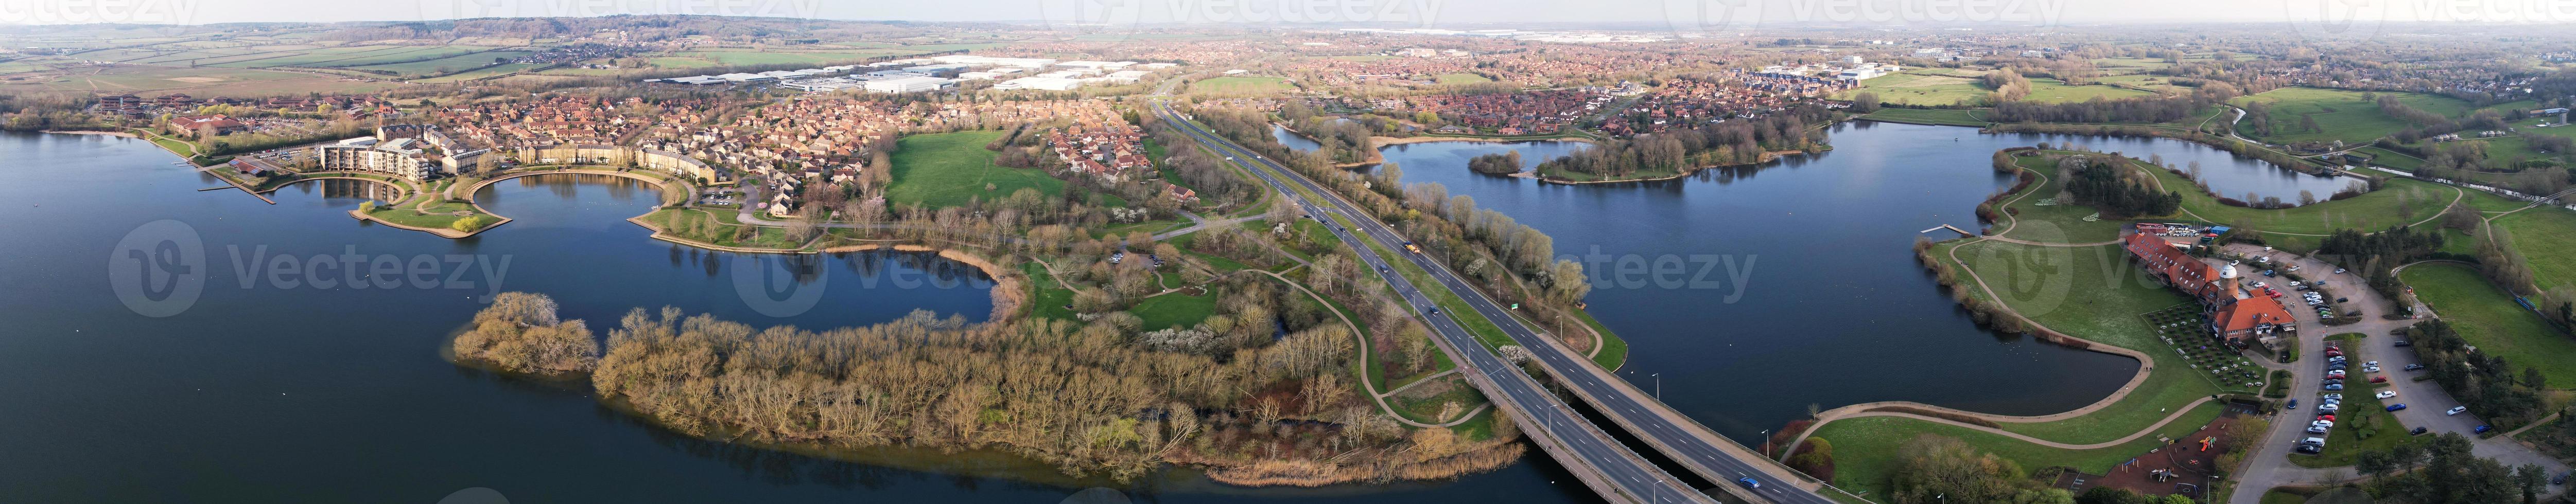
(2486, 316)
(1951, 117)
(2061, 223)
(1047, 297)
(1879, 438)
(1178, 309)
(2545, 235)
(1242, 85)
(1922, 87)
(2046, 90)
(2401, 201)
(948, 169)
(2340, 115)
(2092, 293)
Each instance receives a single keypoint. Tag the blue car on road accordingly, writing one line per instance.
(1749, 482)
(2398, 406)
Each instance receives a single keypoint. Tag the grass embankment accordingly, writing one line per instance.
(1866, 470)
(2362, 423)
(1945, 117)
(948, 169)
(707, 227)
(439, 216)
(2544, 235)
(2039, 215)
(2488, 317)
(1184, 308)
(2091, 293)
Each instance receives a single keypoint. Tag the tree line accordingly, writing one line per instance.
(2104, 184)
(1736, 142)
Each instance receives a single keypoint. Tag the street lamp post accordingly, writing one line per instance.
(1659, 386)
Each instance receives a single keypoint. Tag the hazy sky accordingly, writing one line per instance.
(1714, 14)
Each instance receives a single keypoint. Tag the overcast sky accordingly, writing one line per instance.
(1713, 14)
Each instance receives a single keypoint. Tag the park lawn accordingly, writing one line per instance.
(1614, 349)
(1426, 409)
(1048, 297)
(2391, 159)
(438, 216)
(2545, 235)
(1242, 85)
(2046, 90)
(1177, 309)
(2061, 223)
(2401, 202)
(1879, 440)
(2091, 293)
(2340, 115)
(2487, 317)
(1947, 117)
(718, 231)
(2360, 412)
(948, 169)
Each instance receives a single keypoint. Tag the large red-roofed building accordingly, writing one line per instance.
(2237, 315)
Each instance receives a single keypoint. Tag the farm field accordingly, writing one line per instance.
(495, 70)
(1921, 87)
(1463, 78)
(2340, 115)
(443, 66)
(203, 82)
(948, 169)
(2055, 91)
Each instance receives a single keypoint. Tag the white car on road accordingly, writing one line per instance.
(2456, 410)
(2384, 394)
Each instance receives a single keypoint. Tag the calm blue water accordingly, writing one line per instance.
(301, 394)
(1796, 284)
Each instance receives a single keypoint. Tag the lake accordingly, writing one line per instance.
(1798, 288)
(303, 393)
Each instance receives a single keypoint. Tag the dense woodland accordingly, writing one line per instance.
(1730, 143)
(1097, 398)
(2107, 184)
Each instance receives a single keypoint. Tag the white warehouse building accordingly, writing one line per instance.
(906, 84)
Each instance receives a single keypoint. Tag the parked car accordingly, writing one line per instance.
(2398, 406)
(2403, 343)
(2456, 410)
(2372, 369)
(2384, 394)
(2418, 431)
(2309, 449)
(2329, 407)
(2326, 417)
(2338, 271)
(2414, 367)
(2482, 429)
(2336, 397)
(2370, 363)
(2379, 379)
(2316, 429)
(2334, 375)
(2334, 386)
